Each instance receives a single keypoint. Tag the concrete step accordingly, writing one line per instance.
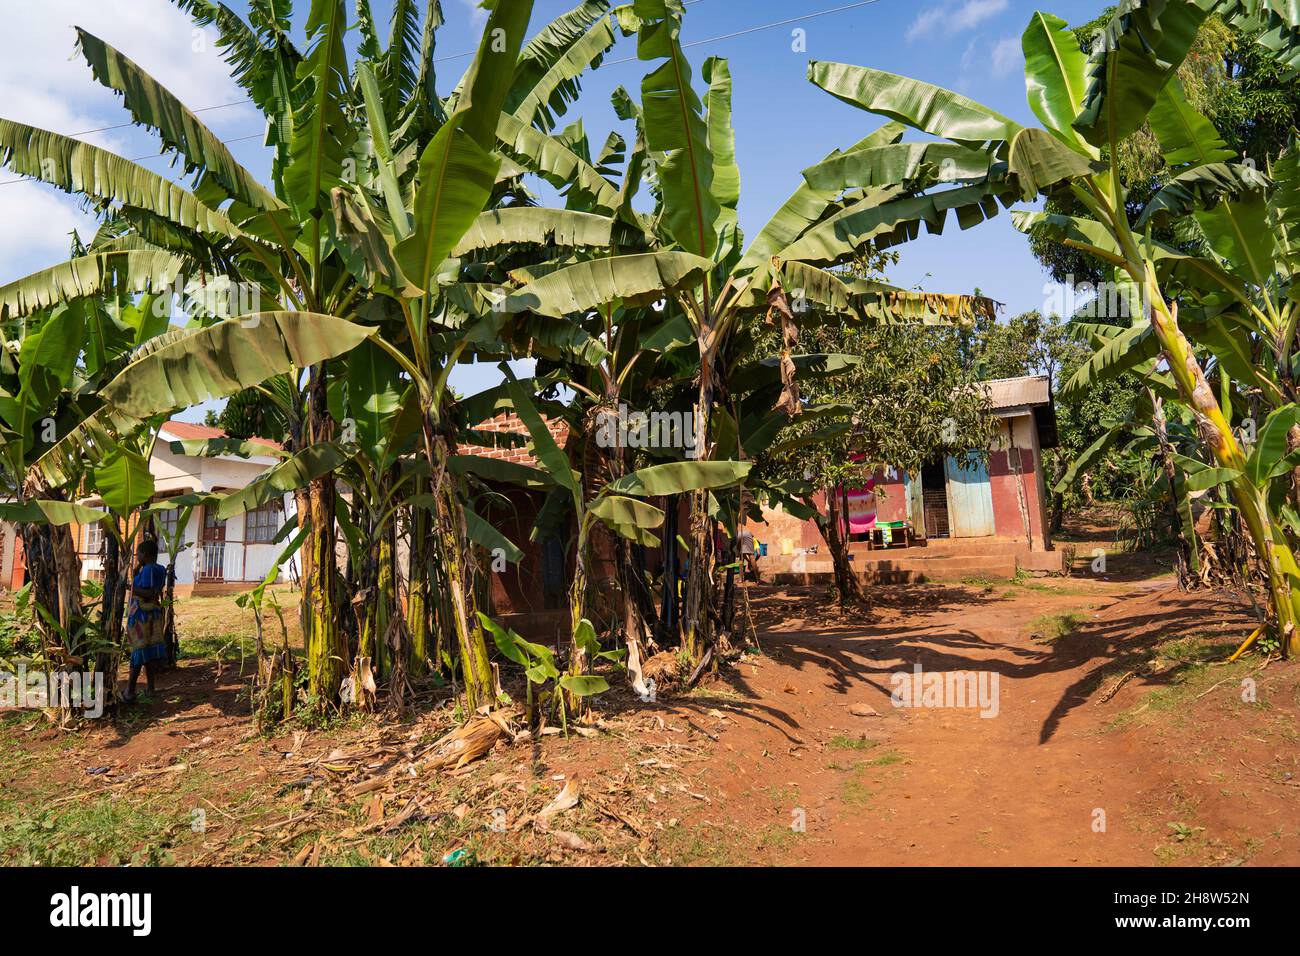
(900, 571)
(948, 546)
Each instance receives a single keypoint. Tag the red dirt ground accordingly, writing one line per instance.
(1182, 768)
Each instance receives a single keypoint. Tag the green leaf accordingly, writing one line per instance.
(922, 106)
(322, 133)
(223, 447)
(1199, 476)
(124, 481)
(109, 274)
(456, 178)
(546, 78)
(227, 357)
(630, 517)
(805, 206)
(154, 106)
(674, 125)
(882, 221)
(544, 448)
(555, 162)
(374, 391)
(535, 225)
(482, 533)
(1185, 136)
(1040, 160)
(298, 471)
(82, 169)
(678, 476)
(506, 640)
(1055, 76)
(584, 636)
(1238, 231)
(722, 142)
(498, 469)
(1132, 59)
(379, 137)
(636, 279)
(898, 163)
(1271, 443)
(584, 685)
(50, 512)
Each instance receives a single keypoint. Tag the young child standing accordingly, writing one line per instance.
(144, 623)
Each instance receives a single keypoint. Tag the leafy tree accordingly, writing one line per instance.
(1088, 107)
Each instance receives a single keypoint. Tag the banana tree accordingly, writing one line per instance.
(689, 252)
(372, 180)
(617, 505)
(1087, 104)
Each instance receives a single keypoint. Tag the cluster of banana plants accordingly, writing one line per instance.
(395, 238)
(1226, 297)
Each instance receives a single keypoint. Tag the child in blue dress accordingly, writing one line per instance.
(144, 623)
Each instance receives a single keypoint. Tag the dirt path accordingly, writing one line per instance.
(1028, 786)
(792, 756)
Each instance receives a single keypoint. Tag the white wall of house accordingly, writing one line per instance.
(235, 559)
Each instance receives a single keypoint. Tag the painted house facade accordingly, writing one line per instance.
(984, 515)
(218, 556)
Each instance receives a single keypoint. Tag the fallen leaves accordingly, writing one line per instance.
(566, 799)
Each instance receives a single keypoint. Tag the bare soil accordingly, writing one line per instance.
(1121, 737)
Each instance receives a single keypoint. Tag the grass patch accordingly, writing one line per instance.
(887, 759)
(1052, 627)
(106, 830)
(856, 793)
(979, 581)
(220, 647)
(1187, 668)
(845, 742)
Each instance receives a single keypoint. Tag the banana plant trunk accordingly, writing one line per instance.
(476, 668)
(1186, 556)
(578, 661)
(326, 648)
(696, 619)
(1271, 550)
(417, 588)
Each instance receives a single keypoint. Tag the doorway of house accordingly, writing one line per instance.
(212, 547)
(934, 500)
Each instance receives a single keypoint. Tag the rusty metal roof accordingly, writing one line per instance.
(1020, 392)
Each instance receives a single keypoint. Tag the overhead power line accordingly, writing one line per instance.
(456, 56)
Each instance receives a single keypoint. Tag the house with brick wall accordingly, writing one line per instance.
(984, 515)
(531, 595)
(218, 555)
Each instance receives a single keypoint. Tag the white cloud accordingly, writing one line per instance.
(953, 18)
(37, 227)
(477, 15)
(46, 83)
(1006, 55)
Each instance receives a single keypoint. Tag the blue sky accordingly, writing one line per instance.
(783, 123)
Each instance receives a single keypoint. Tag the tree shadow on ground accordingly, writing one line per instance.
(864, 653)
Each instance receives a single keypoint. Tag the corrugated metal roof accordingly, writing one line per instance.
(188, 430)
(1017, 392)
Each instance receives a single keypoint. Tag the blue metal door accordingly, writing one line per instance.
(970, 497)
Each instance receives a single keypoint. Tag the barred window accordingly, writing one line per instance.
(262, 524)
(167, 524)
(92, 538)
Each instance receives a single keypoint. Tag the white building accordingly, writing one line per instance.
(218, 556)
